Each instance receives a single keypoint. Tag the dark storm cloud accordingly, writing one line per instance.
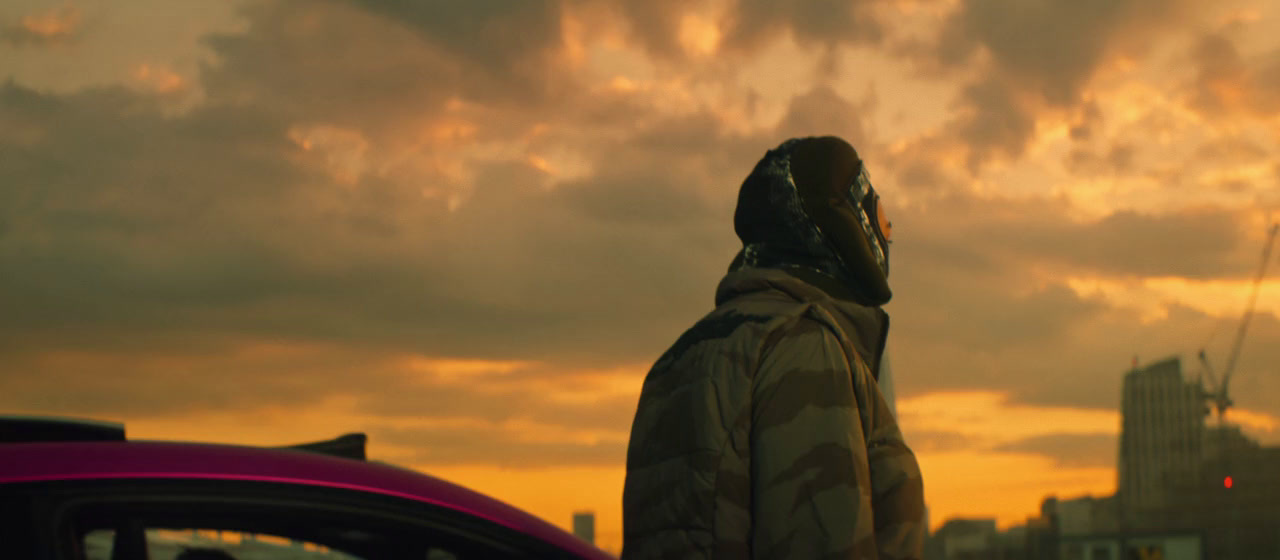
(1033, 59)
(826, 22)
(1229, 83)
(751, 25)
(1194, 244)
(153, 249)
(222, 234)
(495, 35)
(1219, 66)
(383, 67)
(218, 232)
(207, 220)
(1116, 161)
(1199, 243)
(1051, 47)
(992, 119)
(1070, 450)
(928, 441)
(984, 303)
(655, 24)
(1087, 119)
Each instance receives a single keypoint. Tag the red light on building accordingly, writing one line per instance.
(1227, 482)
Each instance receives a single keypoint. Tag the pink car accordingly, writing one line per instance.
(74, 489)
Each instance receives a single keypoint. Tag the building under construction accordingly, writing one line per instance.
(1184, 468)
(1177, 473)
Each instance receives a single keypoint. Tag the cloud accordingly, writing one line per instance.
(493, 35)
(993, 119)
(1028, 64)
(387, 69)
(989, 302)
(1116, 161)
(811, 22)
(221, 226)
(932, 441)
(656, 25)
(1052, 48)
(55, 27)
(539, 413)
(359, 184)
(499, 446)
(678, 31)
(822, 111)
(1020, 234)
(1227, 82)
(1203, 243)
(1070, 450)
(232, 231)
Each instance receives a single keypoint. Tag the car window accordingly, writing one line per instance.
(212, 544)
(163, 520)
(217, 544)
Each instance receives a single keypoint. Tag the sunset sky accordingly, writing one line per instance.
(468, 228)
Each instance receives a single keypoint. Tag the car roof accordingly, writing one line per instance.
(97, 460)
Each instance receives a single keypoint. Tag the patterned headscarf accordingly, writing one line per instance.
(776, 232)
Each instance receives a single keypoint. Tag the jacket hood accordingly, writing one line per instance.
(771, 221)
(866, 327)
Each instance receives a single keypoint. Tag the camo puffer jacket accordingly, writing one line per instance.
(762, 434)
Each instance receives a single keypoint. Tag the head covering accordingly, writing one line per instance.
(808, 207)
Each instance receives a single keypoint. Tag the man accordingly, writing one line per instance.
(761, 433)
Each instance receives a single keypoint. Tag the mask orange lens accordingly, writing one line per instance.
(886, 227)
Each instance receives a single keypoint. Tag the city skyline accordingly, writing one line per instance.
(468, 230)
(1190, 485)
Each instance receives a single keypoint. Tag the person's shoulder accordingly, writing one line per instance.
(738, 326)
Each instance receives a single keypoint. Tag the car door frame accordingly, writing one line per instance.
(57, 507)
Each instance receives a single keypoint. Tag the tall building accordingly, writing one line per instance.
(584, 526)
(1162, 435)
(885, 381)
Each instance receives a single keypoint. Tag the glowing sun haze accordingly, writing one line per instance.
(468, 228)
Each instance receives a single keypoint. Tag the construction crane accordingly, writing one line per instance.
(1217, 394)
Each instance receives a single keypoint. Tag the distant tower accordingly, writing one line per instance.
(1162, 433)
(584, 526)
(885, 382)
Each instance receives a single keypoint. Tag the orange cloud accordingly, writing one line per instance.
(700, 36)
(1265, 427)
(48, 28)
(1151, 297)
(343, 151)
(452, 369)
(158, 78)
